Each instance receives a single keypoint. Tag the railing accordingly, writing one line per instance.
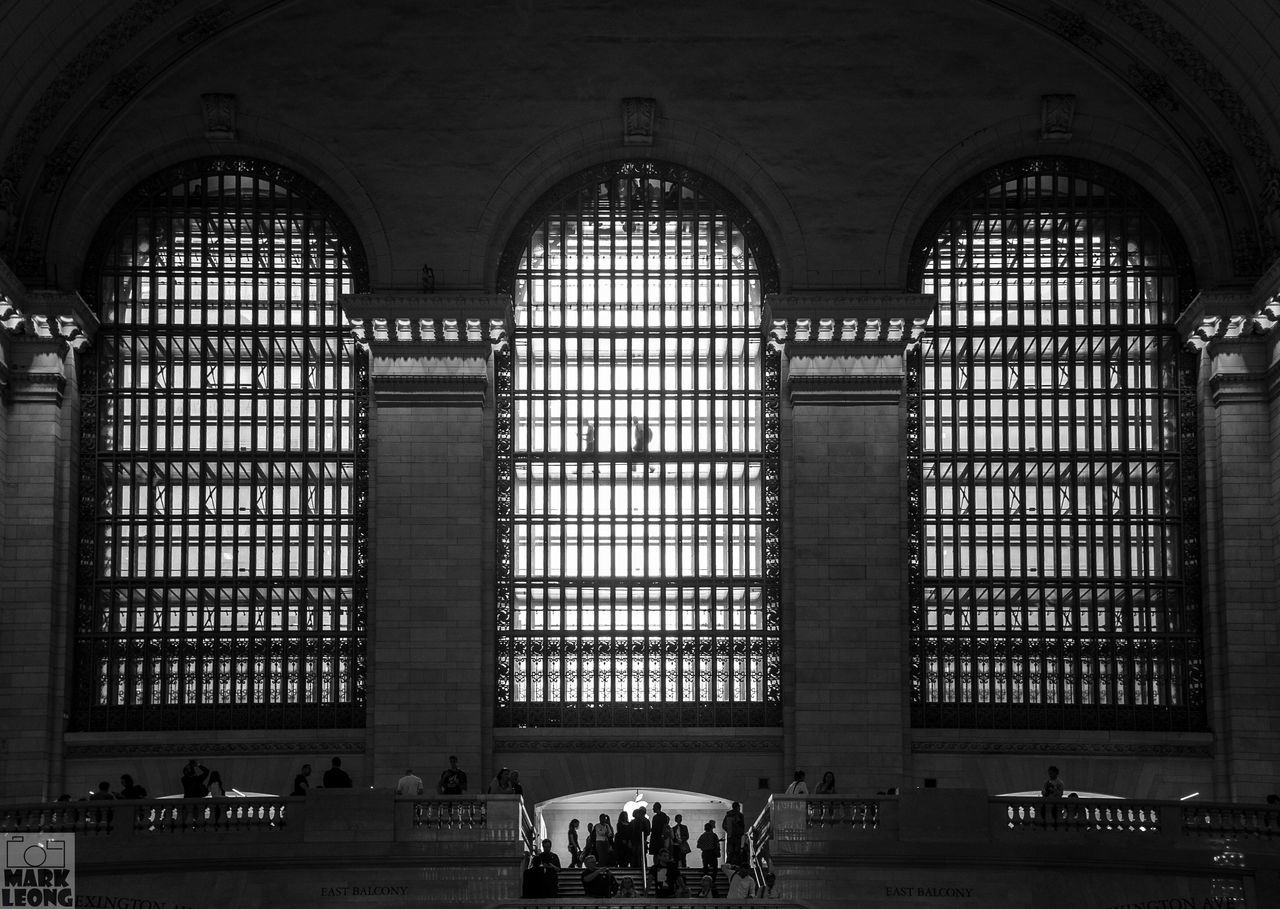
(146, 816)
(842, 822)
(1230, 822)
(210, 816)
(836, 811)
(456, 812)
(1076, 814)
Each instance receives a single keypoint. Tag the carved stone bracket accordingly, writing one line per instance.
(846, 348)
(429, 349)
(37, 330)
(1236, 330)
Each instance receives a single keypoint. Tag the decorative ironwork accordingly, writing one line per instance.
(1052, 476)
(638, 516)
(224, 460)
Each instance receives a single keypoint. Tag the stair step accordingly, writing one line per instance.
(570, 880)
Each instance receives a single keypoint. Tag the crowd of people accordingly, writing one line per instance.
(659, 845)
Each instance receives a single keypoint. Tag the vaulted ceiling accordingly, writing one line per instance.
(841, 121)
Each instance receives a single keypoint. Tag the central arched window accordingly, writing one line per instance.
(637, 460)
(1053, 461)
(224, 459)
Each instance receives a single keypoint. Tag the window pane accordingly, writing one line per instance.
(637, 525)
(1056, 526)
(224, 445)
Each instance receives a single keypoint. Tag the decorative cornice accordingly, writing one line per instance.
(845, 389)
(185, 749)
(1161, 749)
(1240, 388)
(637, 744)
(1229, 316)
(431, 390)
(452, 320)
(857, 320)
(46, 316)
(36, 386)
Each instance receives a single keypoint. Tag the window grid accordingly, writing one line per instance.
(224, 476)
(638, 577)
(1054, 576)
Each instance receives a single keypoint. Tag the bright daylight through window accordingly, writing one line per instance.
(1054, 517)
(637, 460)
(223, 526)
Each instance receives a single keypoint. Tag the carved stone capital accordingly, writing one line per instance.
(48, 316)
(440, 323)
(856, 320)
(1233, 315)
(846, 348)
(429, 350)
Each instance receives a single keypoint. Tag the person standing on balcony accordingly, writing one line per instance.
(1053, 786)
(501, 783)
(828, 784)
(409, 784)
(130, 789)
(195, 777)
(454, 780)
(301, 783)
(335, 777)
(798, 785)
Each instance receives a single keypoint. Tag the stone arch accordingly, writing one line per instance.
(90, 195)
(578, 148)
(1182, 189)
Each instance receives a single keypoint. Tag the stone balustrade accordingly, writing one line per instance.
(470, 850)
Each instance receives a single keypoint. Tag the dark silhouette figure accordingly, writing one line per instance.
(641, 439)
(195, 778)
(335, 777)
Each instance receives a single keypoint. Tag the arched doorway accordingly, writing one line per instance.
(551, 818)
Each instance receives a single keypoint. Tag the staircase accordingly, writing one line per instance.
(570, 884)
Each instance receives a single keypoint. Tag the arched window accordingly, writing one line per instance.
(222, 580)
(1055, 578)
(637, 460)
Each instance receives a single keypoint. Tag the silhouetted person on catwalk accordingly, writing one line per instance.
(641, 439)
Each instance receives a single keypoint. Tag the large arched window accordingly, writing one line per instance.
(637, 460)
(222, 580)
(1053, 511)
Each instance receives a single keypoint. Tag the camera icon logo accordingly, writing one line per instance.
(19, 853)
